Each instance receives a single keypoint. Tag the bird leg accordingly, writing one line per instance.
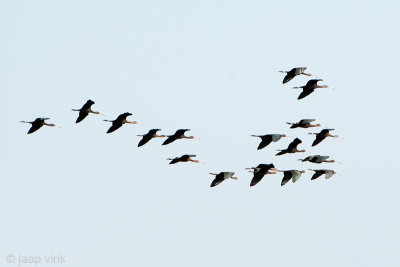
(27, 122)
(234, 178)
(108, 120)
(282, 71)
(301, 87)
(213, 174)
(76, 110)
(160, 135)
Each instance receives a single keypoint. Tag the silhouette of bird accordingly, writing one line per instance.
(305, 123)
(310, 87)
(290, 174)
(293, 73)
(184, 158)
(322, 135)
(85, 110)
(179, 134)
(317, 159)
(116, 124)
(318, 173)
(222, 176)
(260, 171)
(292, 148)
(150, 135)
(267, 139)
(37, 124)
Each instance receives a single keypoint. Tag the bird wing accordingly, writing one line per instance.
(282, 152)
(170, 139)
(82, 115)
(328, 174)
(257, 178)
(123, 116)
(175, 160)
(295, 176)
(276, 137)
(317, 174)
(265, 141)
(306, 121)
(218, 179)
(318, 139)
(305, 93)
(294, 144)
(299, 71)
(289, 76)
(114, 127)
(87, 105)
(146, 138)
(313, 82)
(35, 127)
(287, 175)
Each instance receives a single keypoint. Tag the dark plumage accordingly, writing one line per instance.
(85, 110)
(184, 158)
(309, 88)
(150, 135)
(222, 176)
(116, 124)
(179, 134)
(37, 124)
(322, 135)
(317, 159)
(293, 73)
(260, 171)
(292, 148)
(305, 123)
(291, 174)
(318, 173)
(267, 139)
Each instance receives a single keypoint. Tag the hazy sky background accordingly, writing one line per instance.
(212, 67)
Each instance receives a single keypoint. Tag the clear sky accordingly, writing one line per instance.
(212, 67)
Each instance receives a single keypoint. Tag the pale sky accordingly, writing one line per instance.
(212, 67)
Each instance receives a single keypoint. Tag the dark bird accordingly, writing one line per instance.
(260, 171)
(268, 138)
(322, 135)
(317, 159)
(318, 173)
(150, 135)
(37, 124)
(116, 124)
(305, 123)
(85, 110)
(292, 148)
(222, 176)
(290, 174)
(184, 158)
(310, 87)
(179, 134)
(293, 73)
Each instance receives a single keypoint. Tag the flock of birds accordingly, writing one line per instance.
(259, 171)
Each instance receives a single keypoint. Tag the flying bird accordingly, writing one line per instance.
(317, 159)
(267, 139)
(116, 124)
(305, 123)
(85, 110)
(37, 124)
(222, 176)
(310, 87)
(179, 134)
(292, 148)
(293, 73)
(318, 173)
(184, 158)
(150, 135)
(322, 135)
(260, 171)
(290, 174)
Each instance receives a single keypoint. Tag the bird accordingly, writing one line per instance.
(260, 171)
(304, 123)
(267, 139)
(179, 134)
(292, 148)
(293, 73)
(310, 86)
(290, 174)
(37, 124)
(116, 124)
(318, 173)
(150, 135)
(317, 159)
(322, 135)
(184, 158)
(85, 110)
(222, 176)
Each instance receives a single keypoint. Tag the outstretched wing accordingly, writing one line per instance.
(82, 115)
(87, 105)
(146, 138)
(294, 144)
(257, 178)
(305, 93)
(295, 176)
(317, 174)
(170, 139)
(114, 127)
(218, 179)
(265, 141)
(287, 175)
(289, 76)
(35, 127)
(313, 82)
